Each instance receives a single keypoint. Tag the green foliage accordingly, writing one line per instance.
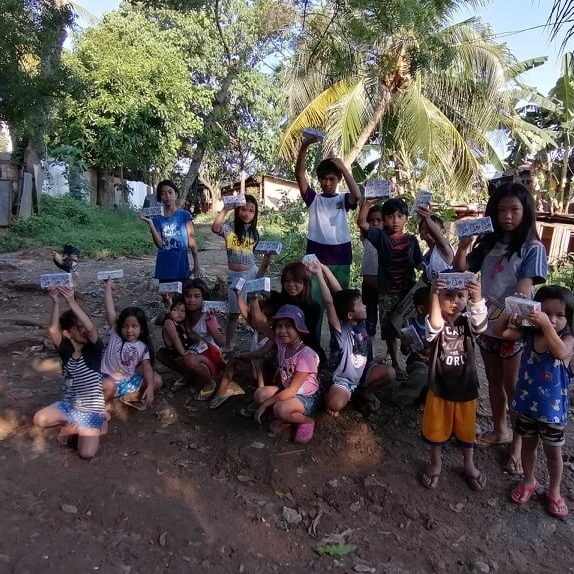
(130, 102)
(75, 168)
(97, 231)
(562, 272)
(335, 549)
(31, 34)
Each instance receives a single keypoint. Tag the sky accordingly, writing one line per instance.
(504, 16)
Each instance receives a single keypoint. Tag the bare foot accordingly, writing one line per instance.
(332, 413)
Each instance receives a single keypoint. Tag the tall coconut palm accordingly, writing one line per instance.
(438, 112)
(561, 16)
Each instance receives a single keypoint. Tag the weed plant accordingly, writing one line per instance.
(96, 231)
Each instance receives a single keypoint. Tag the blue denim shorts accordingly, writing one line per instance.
(310, 403)
(128, 385)
(84, 419)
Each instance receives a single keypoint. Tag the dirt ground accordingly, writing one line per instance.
(192, 490)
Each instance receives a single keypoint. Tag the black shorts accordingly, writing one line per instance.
(551, 434)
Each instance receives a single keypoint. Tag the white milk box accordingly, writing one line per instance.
(55, 280)
(313, 133)
(310, 258)
(521, 307)
(470, 227)
(115, 274)
(423, 197)
(237, 283)
(412, 338)
(230, 201)
(274, 247)
(153, 210)
(456, 280)
(173, 287)
(255, 286)
(216, 306)
(377, 189)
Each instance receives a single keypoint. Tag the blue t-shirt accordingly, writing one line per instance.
(172, 263)
(542, 388)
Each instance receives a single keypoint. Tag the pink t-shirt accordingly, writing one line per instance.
(305, 360)
(121, 358)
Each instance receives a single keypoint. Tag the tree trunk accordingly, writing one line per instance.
(563, 175)
(368, 129)
(102, 189)
(219, 103)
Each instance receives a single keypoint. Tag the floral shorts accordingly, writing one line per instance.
(128, 385)
(504, 349)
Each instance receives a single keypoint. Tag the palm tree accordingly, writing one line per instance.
(562, 13)
(437, 115)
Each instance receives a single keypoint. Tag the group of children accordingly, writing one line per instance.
(526, 362)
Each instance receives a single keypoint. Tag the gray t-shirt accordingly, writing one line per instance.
(354, 345)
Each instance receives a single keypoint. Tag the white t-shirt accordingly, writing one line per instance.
(121, 358)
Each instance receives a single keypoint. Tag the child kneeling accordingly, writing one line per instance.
(347, 315)
(450, 407)
(297, 397)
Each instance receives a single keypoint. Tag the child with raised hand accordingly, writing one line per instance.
(296, 398)
(450, 407)
(370, 271)
(127, 364)
(346, 314)
(203, 360)
(541, 397)
(399, 255)
(240, 240)
(328, 234)
(510, 260)
(81, 410)
(440, 255)
(259, 315)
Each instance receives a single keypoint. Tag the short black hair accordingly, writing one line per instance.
(328, 167)
(395, 205)
(421, 296)
(437, 219)
(344, 302)
(176, 300)
(561, 294)
(199, 284)
(167, 183)
(68, 320)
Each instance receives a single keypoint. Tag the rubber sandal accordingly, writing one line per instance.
(482, 442)
(249, 410)
(514, 467)
(137, 405)
(556, 506)
(178, 385)
(218, 400)
(205, 393)
(476, 483)
(304, 433)
(428, 480)
(522, 493)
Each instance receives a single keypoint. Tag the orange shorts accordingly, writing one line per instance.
(442, 419)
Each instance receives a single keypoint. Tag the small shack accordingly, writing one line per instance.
(268, 189)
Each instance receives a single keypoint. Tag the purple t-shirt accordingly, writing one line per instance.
(305, 360)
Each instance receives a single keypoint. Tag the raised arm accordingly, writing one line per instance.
(217, 225)
(109, 302)
(214, 329)
(301, 165)
(156, 236)
(258, 320)
(362, 217)
(317, 270)
(82, 317)
(332, 281)
(441, 242)
(562, 349)
(464, 245)
(54, 331)
(435, 319)
(192, 246)
(352, 185)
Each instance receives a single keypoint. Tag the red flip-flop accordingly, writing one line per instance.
(522, 493)
(556, 506)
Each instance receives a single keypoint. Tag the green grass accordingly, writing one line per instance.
(96, 231)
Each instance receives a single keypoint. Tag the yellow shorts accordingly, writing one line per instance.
(442, 419)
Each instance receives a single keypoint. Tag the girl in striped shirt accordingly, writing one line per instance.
(81, 410)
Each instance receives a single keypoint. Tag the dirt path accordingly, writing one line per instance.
(191, 490)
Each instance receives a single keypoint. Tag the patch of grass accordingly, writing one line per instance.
(96, 231)
(562, 272)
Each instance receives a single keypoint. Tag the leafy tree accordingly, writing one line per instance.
(129, 106)
(32, 33)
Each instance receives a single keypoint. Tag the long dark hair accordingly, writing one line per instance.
(141, 318)
(167, 183)
(241, 228)
(526, 230)
(298, 272)
(561, 294)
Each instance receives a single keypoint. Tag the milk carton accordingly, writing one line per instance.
(456, 280)
(48, 280)
(471, 227)
(173, 287)
(265, 247)
(233, 201)
(152, 210)
(378, 189)
(115, 274)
